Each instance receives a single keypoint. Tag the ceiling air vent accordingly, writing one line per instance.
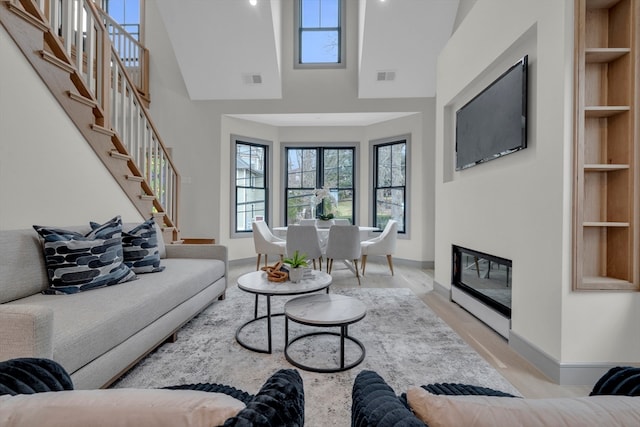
(252, 78)
(385, 76)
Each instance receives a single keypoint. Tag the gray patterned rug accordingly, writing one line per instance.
(406, 343)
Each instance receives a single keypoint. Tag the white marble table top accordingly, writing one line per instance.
(256, 282)
(325, 309)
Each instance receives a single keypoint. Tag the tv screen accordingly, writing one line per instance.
(494, 122)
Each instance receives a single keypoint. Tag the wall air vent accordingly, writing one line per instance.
(385, 76)
(252, 78)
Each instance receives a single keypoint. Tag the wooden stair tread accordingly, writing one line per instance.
(117, 155)
(52, 59)
(82, 99)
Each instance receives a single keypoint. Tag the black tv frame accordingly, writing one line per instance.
(522, 65)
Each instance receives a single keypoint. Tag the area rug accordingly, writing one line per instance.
(406, 343)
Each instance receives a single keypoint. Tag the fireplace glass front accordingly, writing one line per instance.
(483, 276)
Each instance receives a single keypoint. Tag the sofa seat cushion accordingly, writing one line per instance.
(88, 324)
(118, 407)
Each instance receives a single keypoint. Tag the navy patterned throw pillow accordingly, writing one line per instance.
(140, 247)
(77, 263)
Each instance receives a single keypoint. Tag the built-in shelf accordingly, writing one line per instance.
(605, 110)
(604, 167)
(597, 55)
(601, 281)
(605, 224)
(606, 92)
(601, 4)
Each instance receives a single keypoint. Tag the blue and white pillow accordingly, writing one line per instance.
(140, 246)
(77, 263)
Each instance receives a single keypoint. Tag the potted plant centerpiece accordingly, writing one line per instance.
(324, 198)
(296, 264)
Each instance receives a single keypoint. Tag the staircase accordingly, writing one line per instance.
(105, 93)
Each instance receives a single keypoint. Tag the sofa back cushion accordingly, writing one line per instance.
(22, 268)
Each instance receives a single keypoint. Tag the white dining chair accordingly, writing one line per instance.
(343, 244)
(266, 243)
(384, 244)
(304, 239)
(341, 221)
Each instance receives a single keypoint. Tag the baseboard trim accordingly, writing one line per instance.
(442, 290)
(583, 374)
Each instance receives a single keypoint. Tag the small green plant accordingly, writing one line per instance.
(297, 260)
(326, 217)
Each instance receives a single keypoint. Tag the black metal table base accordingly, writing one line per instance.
(344, 335)
(267, 316)
(252, 348)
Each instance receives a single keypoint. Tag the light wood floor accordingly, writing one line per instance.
(529, 381)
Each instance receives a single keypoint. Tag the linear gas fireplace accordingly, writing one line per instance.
(481, 283)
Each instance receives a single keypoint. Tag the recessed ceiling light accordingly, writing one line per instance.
(253, 2)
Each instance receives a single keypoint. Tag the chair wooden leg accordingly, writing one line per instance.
(355, 264)
(329, 265)
(390, 262)
(265, 260)
(364, 263)
(314, 263)
(258, 263)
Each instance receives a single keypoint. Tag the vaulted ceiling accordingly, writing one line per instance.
(221, 44)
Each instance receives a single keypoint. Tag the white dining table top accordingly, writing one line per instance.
(360, 227)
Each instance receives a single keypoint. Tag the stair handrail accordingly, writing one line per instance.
(104, 77)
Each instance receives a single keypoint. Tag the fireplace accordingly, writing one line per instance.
(481, 284)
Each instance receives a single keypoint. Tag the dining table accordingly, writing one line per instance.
(323, 234)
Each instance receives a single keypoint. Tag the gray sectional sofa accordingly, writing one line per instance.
(98, 334)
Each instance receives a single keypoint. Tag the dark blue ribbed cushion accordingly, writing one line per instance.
(374, 403)
(453, 389)
(280, 402)
(243, 396)
(621, 381)
(30, 375)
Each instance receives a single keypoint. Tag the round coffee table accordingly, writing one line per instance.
(324, 310)
(256, 283)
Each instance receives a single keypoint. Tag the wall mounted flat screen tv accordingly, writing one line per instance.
(494, 122)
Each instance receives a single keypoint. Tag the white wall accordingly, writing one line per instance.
(49, 175)
(519, 206)
(199, 133)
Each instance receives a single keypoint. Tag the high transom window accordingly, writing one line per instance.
(320, 38)
(312, 170)
(126, 13)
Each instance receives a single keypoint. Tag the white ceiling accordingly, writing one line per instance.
(219, 44)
